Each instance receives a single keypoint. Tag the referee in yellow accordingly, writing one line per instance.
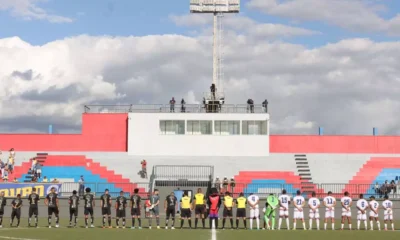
(228, 209)
(199, 206)
(186, 209)
(241, 203)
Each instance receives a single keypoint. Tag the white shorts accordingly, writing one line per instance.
(361, 216)
(388, 215)
(330, 213)
(346, 213)
(372, 214)
(298, 215)
(314, 215)
(254, 213)
(283, 212)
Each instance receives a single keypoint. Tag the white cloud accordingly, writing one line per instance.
(28, 10)
(357, 15)
(346, 87)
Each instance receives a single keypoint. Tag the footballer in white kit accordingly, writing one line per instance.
(362, 206)
(346, 209)
(374, 213)
(388, 212)
(329, 203)
(313, 204)
(253, 201)
(284, 202)
(298, 203)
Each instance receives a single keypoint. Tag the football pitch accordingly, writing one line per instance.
(65, 233)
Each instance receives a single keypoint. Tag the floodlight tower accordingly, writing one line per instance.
(217, 8)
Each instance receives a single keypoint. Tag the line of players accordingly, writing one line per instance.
(200, 205)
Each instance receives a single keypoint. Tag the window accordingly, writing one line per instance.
(172, 127)
(195, 127)
(227, 127)
(254, 128)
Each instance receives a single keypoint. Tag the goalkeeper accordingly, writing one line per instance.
(271, 205)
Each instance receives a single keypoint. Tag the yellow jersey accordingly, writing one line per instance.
(199, 197)
(185, 202)
(228, 201)
(241, 202)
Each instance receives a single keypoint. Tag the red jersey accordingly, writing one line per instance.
(214, 201)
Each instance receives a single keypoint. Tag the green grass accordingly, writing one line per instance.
(64, 233)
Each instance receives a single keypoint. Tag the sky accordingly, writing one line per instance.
(328, 63)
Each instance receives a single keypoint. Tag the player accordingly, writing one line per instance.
(170, 209)
(73, 208)
(313, 204)
(52, 204)
(199, 207)
(154, 209)
(298, 203)
(135, 208)
(329, 203)
(214, 203)
(105, 201)
(120, 208)
(33, 199)
(284, 202)
(241, 203)
(253, 201)
(362, 206)
(346, 209)
(388, 212)
(228, 209)
(3, 203)
(270, 207)
(374, 213)
(89, 205)
(16, 210)
(186, 209)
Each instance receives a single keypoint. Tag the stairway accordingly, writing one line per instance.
(303, 170)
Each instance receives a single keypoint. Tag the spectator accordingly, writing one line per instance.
(5, 175)
(265, 106)
(183, 108)
(377, 188)
(15, 180)
(55, 180)
(383, 190)
(12, 153)
(34, 179)
(225, 183)
(2, 167)
(250, 104)
(218, 184)
(393, 187)
(81, 186)
(38, 168)
(232, 184)
(10, 164)
(172, 105)
(143, 173)
(45, 180)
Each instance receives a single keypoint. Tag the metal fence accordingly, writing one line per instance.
(176, 108)
(183, 172)
(99, 188)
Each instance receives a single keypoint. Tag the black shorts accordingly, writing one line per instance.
(186, 213)
(227, 212)
(135, 212)
(33, 210)
(88, 211)
(106, 211)
(241, 212)
(200, 209)
(170, 212)
(52, 210)
(121, 213)
(73, 211)
(16, 213)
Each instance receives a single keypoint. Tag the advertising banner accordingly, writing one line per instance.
(12, 189)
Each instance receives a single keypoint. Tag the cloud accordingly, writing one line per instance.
(242, 24)
(347, 87)
(28, 10)
(356, 15)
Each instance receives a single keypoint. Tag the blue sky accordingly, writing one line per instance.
(139, 18)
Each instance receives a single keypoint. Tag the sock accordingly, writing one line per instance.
(29, 221)
(350, 226)
(92, 220)
(237, 223)
(294, 224)
(371, 223)
(279, 223)
(392, 226)
(133, 222)
(231, 221)
(385, 226)
(18, 221)
(251, 223)
(273, 223)
(117, 222)
(70, 219)
(190, 222)
(266, 222)
(304, 225)
(379, 225)
(325, 225)
(109, 221)
(173, 222)
(258, 223)
(181, 223)
(36, 220)
(195, 222)
(123, 222)
(104, 221)
(342, 226)
(158, 221)
(76, 220)
(245, 222)
(358, 224)
(365, 224)
(49, 220)
(140, 222)
(86, 221)
(166, 222)
(216, 222)
(333, 226)
(223, 223)
(57, 219)
(150, 222)
(203, 222)
(310, 223)
(287, 223)
(318, 224)
(1, 220)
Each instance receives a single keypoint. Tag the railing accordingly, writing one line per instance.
(183, 172)
(176, 108)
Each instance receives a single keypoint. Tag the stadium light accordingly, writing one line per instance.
(217, 8)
